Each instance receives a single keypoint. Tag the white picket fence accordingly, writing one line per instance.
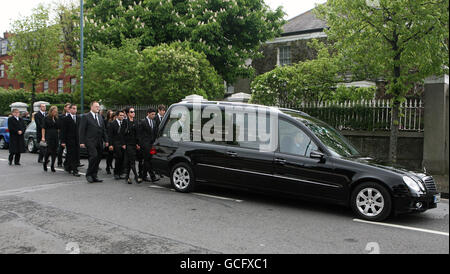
(365, 114)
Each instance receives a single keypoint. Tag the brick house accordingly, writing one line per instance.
(62, 84)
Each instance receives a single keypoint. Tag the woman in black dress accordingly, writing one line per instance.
(110, 117)
(132, 145)
(50, 136)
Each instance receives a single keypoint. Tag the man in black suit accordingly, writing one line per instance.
(16, 129)
(116, 132)
(147, 136)
(159, 117)
(92, 134)
(39, 119)
(70, 140)
(61, 117)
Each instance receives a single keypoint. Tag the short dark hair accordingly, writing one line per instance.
(161, 107)
(93, 102)
(118, 112)
(150, 110)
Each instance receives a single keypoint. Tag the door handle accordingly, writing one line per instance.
(280, 161)
(232, 153)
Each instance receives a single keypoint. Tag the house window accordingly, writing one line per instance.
(61, 61)
(21, 85)
(4, 47)
(2, 71)
(60, 85)
(73, 83)
(284, 56)
(74, 62)
(45, 85)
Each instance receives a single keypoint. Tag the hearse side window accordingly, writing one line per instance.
(246, 137)
(2, 122)
(293, 140)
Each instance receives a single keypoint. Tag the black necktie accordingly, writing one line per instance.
(96, 118)
(120, 125)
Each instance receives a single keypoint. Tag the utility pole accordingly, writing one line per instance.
(82, 56)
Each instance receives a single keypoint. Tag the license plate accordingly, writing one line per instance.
(437, 198)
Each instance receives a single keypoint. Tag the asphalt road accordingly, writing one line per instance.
(45, 212)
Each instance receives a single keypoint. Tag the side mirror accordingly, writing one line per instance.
(316, 155)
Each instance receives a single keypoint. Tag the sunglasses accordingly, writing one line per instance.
(131, 111)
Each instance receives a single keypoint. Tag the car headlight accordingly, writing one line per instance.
(413, 185)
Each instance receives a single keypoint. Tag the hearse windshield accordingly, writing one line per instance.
(337, 144)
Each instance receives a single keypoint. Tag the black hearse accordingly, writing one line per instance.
(215, 142)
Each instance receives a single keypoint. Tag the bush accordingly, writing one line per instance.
(9, 96)
(342, 93)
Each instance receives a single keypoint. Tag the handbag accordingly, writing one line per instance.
(42, 144)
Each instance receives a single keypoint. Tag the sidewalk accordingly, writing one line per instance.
(442, 185)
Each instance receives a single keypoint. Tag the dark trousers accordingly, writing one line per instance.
(51, 150)
(95, 156)
(72, 157)
(109, 160)
(148, 169)
(130, 160)
(60, 153)
(119, 155)
(15, 157)
(41, 153)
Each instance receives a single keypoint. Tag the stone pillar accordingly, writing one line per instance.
(436, 126)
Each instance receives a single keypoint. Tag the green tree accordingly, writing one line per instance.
(308, 81)
(111, 73)
(227, 32)
(35, 49)
(401, 41)
(171, 72)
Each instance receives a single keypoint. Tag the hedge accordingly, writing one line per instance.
(9, 96)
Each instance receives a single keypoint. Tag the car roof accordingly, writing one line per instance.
(240, 104)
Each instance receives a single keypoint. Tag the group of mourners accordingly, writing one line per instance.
(119, 136)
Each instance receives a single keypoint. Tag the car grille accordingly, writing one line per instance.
(429, 184)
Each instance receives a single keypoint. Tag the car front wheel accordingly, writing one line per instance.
(182, 177)
(371, 201)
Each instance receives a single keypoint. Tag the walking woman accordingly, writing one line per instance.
(50, 136)
(110, 117)
(132, 145)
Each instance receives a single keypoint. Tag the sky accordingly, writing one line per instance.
(14, 9)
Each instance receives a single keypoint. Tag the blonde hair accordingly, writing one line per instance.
(51, 111)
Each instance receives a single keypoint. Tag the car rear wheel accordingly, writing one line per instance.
(182, 177)
(31, 146)
(371, 201)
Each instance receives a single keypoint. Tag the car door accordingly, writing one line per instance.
(296, 172)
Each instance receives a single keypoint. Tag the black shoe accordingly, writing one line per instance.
(90, 179)
(138, 180)
(128, 180)
(97, 180)
(52, 169)
(45, 166)
(76, 174)
(154, 179)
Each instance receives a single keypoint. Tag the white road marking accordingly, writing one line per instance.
(403, 227)
(202, 194)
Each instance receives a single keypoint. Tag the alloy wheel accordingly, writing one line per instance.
(181, 178)
(370, 202)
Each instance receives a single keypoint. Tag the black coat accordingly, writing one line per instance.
(39, 119)
(16, 141)
(147, 135)
(69, 130)
(116, 136)
(158, 120)
(90, 132)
